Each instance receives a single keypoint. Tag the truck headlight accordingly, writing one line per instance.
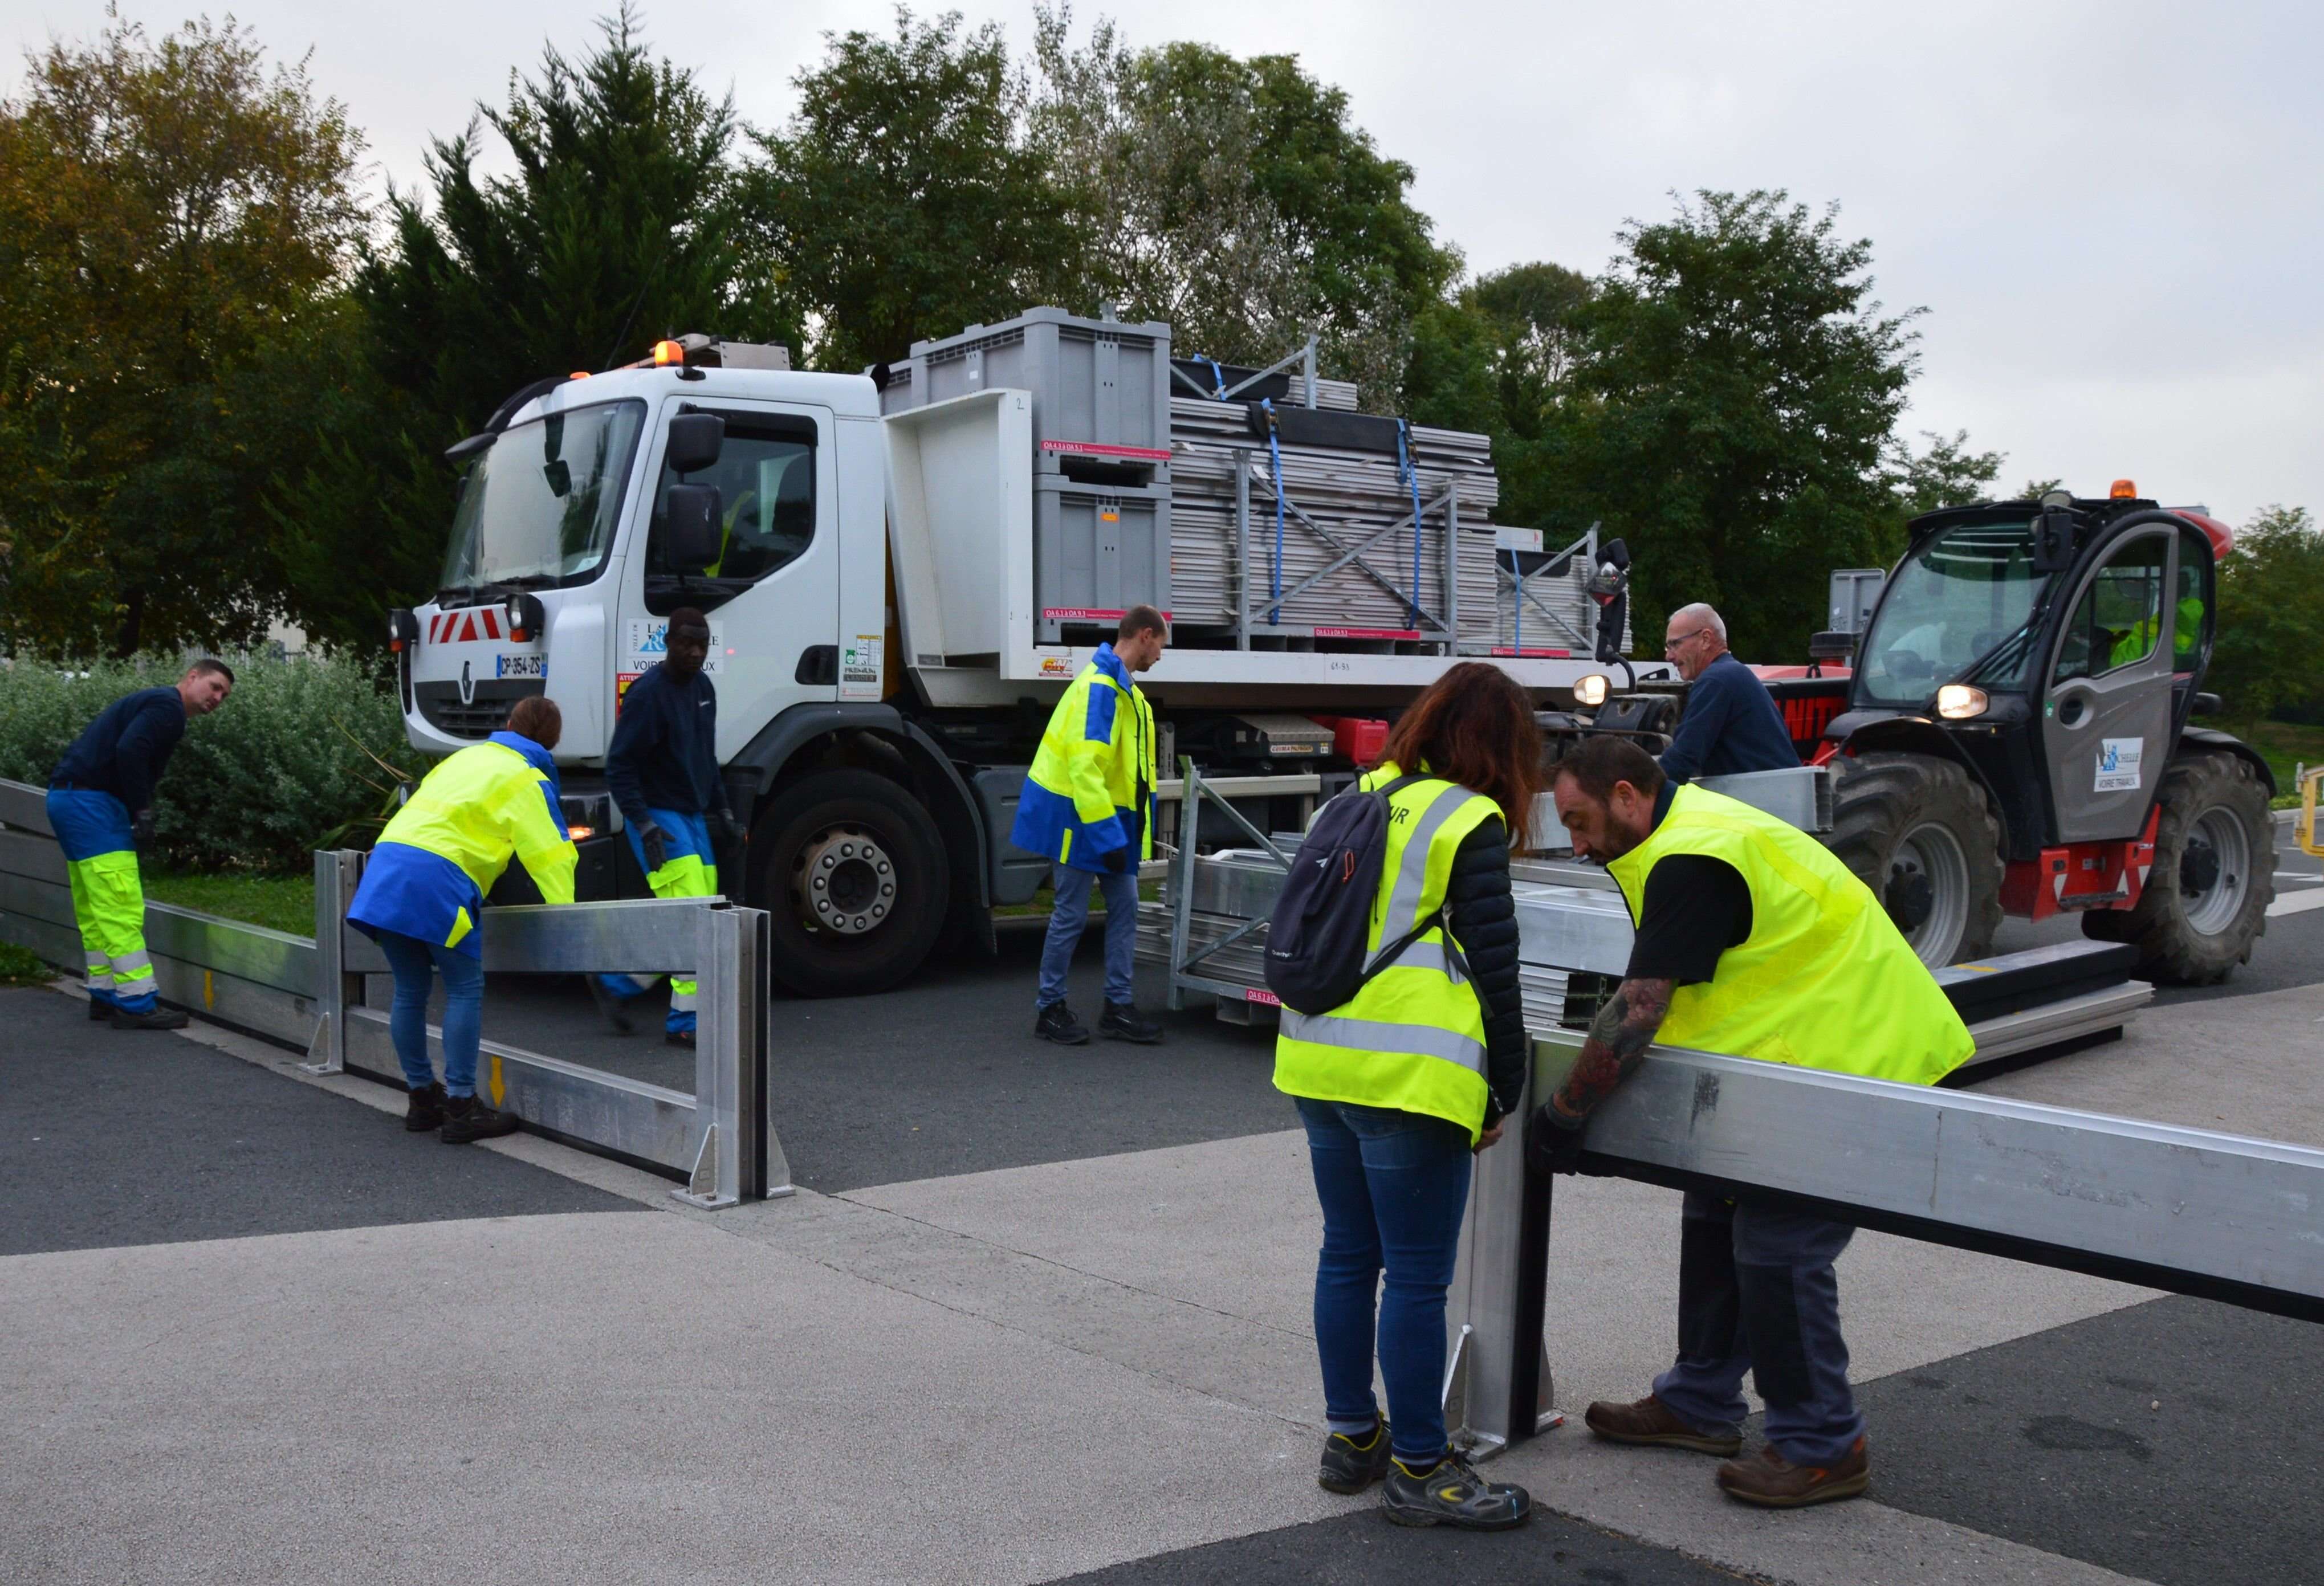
(1957, 702)
(1592, 689)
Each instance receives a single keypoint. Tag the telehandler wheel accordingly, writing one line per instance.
(2206, 899)
(1918, 832)
(851, 872)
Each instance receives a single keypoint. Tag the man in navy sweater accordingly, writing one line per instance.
(662, 767)
(1731, 724)
(101, 808)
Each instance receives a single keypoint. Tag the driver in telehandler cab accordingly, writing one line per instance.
(1731, 724)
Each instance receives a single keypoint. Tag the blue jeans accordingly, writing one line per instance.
(1757, 1293)
(1072, 913)
(416, 963)
(1394, 1186)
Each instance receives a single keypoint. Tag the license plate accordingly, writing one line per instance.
(520, 665)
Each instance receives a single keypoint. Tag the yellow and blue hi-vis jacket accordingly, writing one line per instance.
(445, 848)
(1095, 766)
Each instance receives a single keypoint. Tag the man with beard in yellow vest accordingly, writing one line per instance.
(1753, 941)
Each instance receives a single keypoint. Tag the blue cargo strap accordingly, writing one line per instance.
(1405, 471)
(1218, 376)
(1275, 460)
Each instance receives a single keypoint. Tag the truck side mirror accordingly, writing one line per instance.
(691, 519)
(694, 441)
(2054, 539)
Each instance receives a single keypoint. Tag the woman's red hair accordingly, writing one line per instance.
(1475, 727)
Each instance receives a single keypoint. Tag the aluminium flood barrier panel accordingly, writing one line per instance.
(306, 993)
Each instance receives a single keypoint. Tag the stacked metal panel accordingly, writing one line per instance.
(1353, 495)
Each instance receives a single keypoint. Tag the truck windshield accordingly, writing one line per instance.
(1965, 596)
(541, 505)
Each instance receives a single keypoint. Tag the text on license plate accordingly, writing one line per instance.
(520, 665)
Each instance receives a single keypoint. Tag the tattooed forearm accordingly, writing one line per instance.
(1618, 1036)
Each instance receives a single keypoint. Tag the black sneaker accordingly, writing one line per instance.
(158, 1018)
(1057, 1023)
(1350, 1464)
(1452, 1493)
(679, 1038)
(1121, 1021)
(425, 1110)
(615, 1010)
(467, 1119)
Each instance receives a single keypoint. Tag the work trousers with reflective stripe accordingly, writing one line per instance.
(1757, 1293)
(108, 899)
(689, 870)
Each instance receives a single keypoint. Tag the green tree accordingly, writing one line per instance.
(623, 222)
(1498, 357)
(174, 220)
(2269, 652)
(1946, 474)
(1236, 199)
(1731, 413)
(904, 199)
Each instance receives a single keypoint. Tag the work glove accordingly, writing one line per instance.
(1553, 1145)
(656, 842)
(140, 831)
(1117, 860)
(728, 830)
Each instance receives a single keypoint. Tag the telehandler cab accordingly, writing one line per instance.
(2015, 735)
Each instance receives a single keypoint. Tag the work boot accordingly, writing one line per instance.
(1771, 1481)
(1452, 1493)
(1350, 1464)
(1650, 1424)
(1057, 1023)
(1121, 1021)
(156, 1018)
(615, 1011)
(424, 1109)
(679, 1038)
(467, 1119)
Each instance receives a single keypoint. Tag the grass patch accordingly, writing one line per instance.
(283, 903)
(21, 966)
(2285, 745)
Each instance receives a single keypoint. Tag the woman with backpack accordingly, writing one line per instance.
(1403, 1082)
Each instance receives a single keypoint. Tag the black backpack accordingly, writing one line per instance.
(1315, 938)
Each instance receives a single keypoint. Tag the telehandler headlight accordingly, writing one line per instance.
(1958, 702)
(1591, 690)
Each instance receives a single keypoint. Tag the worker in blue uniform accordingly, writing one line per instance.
(101, 808)
(1731, 724)
(662, 768)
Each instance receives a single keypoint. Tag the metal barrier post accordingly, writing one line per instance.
(732, 1156)
(335, 991)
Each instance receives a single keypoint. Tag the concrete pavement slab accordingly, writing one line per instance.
(2248, 1066)
(625, 1396)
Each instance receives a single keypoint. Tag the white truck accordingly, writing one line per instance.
(886, 639)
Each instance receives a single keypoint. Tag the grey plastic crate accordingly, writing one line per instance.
(1096, 553)
(1100, 388)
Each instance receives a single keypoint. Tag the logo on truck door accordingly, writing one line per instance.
(2118, 765)
(646, 639)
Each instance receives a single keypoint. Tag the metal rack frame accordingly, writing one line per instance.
(1250, 610)
(1184, 974)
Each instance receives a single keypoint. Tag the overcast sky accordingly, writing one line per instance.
(2112, 210)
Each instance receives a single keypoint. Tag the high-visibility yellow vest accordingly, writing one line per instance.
(1095, 761)
(1825, 980)
(1414, 1037)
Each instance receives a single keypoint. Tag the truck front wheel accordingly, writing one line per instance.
(1919, 832)
(852, 873)
(2214, 875)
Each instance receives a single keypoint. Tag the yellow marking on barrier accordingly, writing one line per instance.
(499, 1086)
(210, 993)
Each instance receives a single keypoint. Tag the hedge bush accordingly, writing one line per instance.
(285, 766)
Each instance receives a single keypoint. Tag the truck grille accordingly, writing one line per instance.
(486, 713)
